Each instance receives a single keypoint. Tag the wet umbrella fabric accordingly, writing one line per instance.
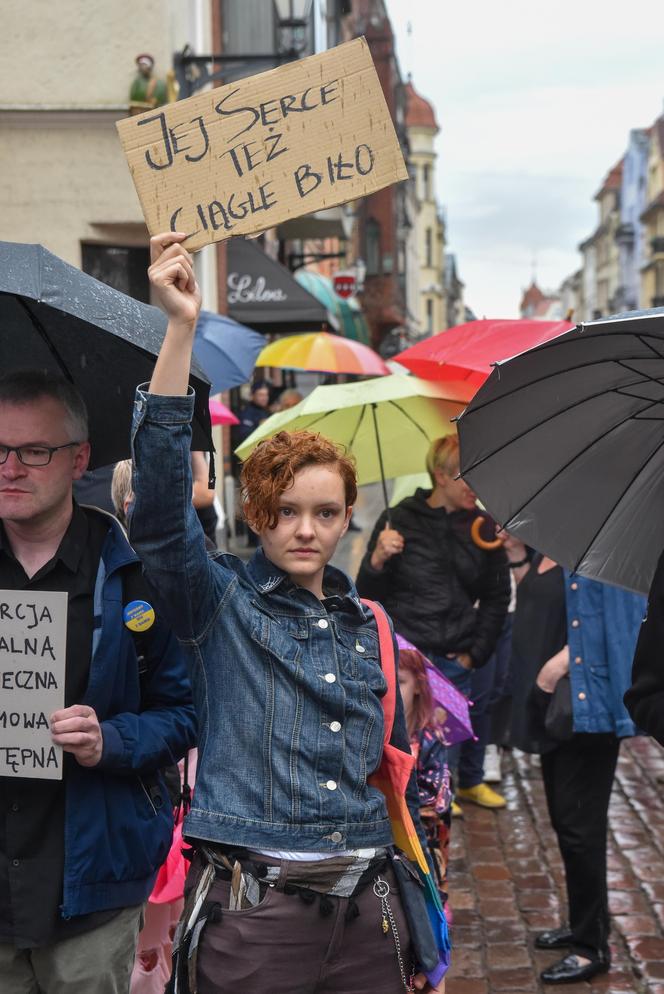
(226, 350)
(53, 316)
(565, 447)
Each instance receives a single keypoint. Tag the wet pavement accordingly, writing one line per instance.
(506, 883)
(506, 877)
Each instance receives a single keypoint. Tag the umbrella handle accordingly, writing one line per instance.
(480, 542)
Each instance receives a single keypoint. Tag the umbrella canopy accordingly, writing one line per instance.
(456, 724)
(387, 423)
(565, 446)
(226, 350)
(222, 415)
(468, 351)
(323, 353)
(53, 316)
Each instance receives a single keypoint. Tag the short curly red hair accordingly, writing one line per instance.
(271, 469)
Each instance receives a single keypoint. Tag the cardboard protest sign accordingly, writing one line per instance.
(246, 156)
(33, 642)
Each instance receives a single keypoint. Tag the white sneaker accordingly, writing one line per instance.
(492, 772)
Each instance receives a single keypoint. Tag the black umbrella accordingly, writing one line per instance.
(564, 444)
(53, 316)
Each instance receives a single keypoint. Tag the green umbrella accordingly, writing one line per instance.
(387, 423)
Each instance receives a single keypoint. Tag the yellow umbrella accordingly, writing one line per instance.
(387, 423)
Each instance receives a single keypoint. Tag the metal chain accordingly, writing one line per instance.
(381, 889)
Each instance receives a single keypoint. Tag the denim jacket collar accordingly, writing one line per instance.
(268, 578)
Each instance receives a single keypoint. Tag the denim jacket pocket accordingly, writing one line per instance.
(281, 640)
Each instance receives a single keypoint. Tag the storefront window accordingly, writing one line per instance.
(121, 267)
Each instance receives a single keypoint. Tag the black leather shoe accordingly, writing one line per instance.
(555, 938)
(570, 971)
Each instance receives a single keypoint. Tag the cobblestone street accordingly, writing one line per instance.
(506, 883)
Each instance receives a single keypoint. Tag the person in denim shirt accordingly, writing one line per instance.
(580, 751)
(287, 683)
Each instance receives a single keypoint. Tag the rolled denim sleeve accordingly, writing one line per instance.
(163, 525)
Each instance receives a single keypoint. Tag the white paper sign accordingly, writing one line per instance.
(33, 643)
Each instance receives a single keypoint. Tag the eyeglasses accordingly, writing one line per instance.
(33, 455)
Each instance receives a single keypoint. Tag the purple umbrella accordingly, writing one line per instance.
(456, 725)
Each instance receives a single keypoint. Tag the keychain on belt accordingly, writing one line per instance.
(381, 889)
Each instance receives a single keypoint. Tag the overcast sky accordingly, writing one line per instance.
(535, 102)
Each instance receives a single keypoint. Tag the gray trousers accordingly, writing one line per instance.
(96, 962)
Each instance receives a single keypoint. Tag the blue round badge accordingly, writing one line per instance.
(138, 616)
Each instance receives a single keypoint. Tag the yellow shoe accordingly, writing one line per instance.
(483, 795)
(457, 810)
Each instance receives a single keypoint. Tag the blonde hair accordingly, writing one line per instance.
(443, 452)
(121, 488)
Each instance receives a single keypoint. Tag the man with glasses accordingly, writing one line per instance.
(78, 856)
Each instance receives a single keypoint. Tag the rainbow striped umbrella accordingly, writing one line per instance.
(321, 352)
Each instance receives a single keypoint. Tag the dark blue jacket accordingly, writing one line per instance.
(118, 821)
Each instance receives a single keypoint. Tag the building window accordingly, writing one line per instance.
(429, 316)
(372, 247)
(426, 176)
(123, 268)
(428, 246)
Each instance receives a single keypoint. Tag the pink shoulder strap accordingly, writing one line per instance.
(388, 664)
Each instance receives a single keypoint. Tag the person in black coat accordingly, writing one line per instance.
(446, 589)
(645, 698)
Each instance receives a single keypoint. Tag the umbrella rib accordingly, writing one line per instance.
(363, 411)
(565, 410)
(620, 498)
(562, 469)
(624, 392)
(548, 376)
(631, 369)
(411, 419)
(649, 345)
(49, 344)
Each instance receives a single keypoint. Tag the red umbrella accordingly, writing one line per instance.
(221, 415)
(468, 351)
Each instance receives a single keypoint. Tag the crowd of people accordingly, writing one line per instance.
(276, 671)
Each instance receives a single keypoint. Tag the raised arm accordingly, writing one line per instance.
(176, 291)
(163, 526)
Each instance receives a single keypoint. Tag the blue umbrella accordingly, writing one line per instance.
(226, 350)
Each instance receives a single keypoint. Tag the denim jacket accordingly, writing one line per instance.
(603, 626)
(287, 694)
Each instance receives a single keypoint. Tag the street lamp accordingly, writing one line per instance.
(292, 19)
(292, 22)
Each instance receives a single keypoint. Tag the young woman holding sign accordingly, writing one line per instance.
(292, 886)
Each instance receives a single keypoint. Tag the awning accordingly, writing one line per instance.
(263, 294)
(352, 323)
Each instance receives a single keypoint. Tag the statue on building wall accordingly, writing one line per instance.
(147, 91)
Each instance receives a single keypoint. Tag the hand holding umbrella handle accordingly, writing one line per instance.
(480, 542)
